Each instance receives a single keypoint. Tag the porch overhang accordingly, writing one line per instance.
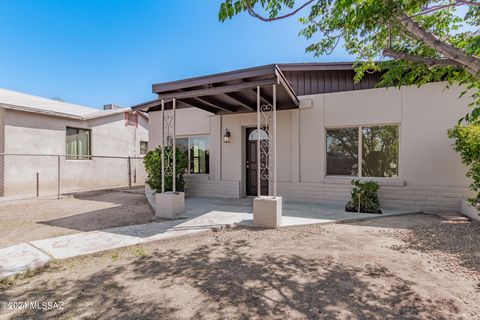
(225, 93)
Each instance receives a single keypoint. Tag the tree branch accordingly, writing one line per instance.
(470, 3)
(471, 63)
(438, 7)
(256, 15)
(428, 61)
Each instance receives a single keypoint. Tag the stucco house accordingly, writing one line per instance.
(318, 130)
(46, 138)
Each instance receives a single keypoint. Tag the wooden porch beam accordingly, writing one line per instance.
(240, 100)
(217, 90)
(194, 103)
(211, 101)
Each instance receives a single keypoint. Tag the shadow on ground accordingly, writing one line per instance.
(124, 208)
(226, 280)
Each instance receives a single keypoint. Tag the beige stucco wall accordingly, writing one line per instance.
(428, 166)
(31, 133)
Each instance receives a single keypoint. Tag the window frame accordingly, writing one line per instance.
(188, 137)
(360, 149)
(79, 157)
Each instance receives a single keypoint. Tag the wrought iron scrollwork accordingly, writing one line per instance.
(266, 116)
(168, 142)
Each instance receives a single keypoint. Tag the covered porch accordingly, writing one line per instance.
(260, 91)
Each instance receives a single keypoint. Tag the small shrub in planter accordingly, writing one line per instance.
(364, 197)
(153, 167)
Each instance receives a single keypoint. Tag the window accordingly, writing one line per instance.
(78, 143)
(342, 151)
(196, 150)
(379, 151)
(143, 147)
(254, 135)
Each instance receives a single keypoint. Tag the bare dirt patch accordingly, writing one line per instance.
(26, 220)
(315, 272)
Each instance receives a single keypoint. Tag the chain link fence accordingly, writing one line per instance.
(33, 175)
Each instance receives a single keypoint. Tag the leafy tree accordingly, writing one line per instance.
(435, 40)
(153, 167)
(467, 143)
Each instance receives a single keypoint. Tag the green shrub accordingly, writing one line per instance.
(153, 167)
(467, 142)
(364, 197)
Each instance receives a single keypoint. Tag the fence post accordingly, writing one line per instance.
(129, 172)
(38, 185)
(58, 177)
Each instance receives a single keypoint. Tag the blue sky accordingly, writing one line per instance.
(111, 51)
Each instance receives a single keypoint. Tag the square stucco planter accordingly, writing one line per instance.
(470, 211)
(169, 205)
(267, 212)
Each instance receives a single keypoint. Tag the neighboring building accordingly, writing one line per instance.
(329, 131)
(54, 132)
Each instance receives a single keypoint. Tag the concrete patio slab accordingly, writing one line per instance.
(88, 242)
(19, 258)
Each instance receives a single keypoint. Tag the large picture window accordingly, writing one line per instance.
(196, 150)
(78, 144)
(379, 151)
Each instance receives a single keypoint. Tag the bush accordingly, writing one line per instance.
(153, 167)
(364, 197)
(467, 142)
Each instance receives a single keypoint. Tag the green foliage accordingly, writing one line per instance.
(364, 197)
(153, 167)
(366, 27)
(467, 142)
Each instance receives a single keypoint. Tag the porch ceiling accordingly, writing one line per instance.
(225, 93)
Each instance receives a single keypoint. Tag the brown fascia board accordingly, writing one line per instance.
(214, 78)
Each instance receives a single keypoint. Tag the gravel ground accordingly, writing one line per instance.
(389, 268)
(26, 220)
(457, 245)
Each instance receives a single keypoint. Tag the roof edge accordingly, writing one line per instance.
(95, 115)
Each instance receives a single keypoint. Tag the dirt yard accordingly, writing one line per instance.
(25, 220)
(410, 267)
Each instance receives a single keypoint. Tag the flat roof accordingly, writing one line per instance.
(227, 92)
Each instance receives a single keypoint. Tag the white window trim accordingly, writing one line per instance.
(360, 150)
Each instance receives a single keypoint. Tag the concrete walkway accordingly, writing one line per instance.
(202, 214)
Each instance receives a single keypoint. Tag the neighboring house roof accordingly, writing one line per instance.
(29, 103)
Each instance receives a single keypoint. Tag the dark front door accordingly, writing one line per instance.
(251, 163)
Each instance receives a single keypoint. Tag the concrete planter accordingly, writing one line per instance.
(168, 205)
(267, 212)
(470, 211)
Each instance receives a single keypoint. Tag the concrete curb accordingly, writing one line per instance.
(374, 217)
